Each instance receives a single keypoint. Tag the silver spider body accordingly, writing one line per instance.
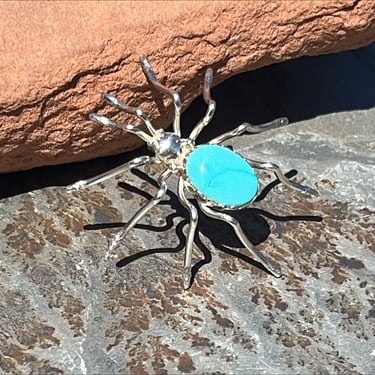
(172, 151)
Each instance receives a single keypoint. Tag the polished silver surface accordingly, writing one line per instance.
(248, 128)
(168, 146)
(173, 94)
(105, 121)
(117, 103)
(211, 105)
(254, 253)
(137, 162)
(143, 210)
(193, 217)
(279, 174)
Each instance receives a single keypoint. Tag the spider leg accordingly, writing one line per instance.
(248, 128)
(241, 235)
(143, 210)
(147, 68)
(114, 102)
(279, 174)
(193, 213)
(207, 83)
(102, 120)
(141, 160)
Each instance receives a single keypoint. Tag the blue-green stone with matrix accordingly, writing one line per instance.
(221, 175)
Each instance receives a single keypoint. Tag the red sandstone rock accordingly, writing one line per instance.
(58, 57)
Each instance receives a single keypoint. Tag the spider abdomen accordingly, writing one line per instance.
(221, 175)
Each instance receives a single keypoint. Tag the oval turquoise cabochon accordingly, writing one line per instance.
(221, 175)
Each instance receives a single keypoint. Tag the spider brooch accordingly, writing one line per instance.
(218, 178)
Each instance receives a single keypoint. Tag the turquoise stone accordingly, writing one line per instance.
(221, 175)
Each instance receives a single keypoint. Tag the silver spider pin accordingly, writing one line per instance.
(218, 178)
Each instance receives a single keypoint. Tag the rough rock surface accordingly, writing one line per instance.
(58, 57)
(66, 308)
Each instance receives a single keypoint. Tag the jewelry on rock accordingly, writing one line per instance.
(217, 177)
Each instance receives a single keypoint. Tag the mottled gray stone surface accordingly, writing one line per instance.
(66, 308)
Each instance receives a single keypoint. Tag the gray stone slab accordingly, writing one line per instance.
(66, 308)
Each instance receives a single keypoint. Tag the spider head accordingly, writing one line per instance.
(171, 149)
(167, 145)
